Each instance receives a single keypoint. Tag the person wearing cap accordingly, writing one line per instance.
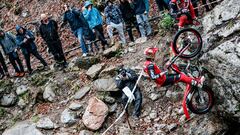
(49, 32)
(125, 81)
(77, 23)
(25, 40)
(9, 45)
(94, 19)
(114, 20)
(140, 9)
(163, 78)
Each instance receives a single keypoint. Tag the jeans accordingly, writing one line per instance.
(14, 60)
(99, 32)
(3, 66)
(79, 34)
(143, 24)
(37, 55)
(119, 28)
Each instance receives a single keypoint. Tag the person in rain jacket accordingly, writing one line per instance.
(49, 32)
(9, 45)
(94, 19)
(128, 78)
(25, 40)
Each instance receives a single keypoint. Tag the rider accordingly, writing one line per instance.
(183, 11)
(161, 78)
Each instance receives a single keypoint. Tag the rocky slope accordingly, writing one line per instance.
(83, 100)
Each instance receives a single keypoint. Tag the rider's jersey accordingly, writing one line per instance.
(154, 72)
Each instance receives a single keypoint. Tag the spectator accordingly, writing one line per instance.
(8, 43)
(49, 32)
(25, 39)
(162, 5)
(114, 20)
(128, 17)
(3, 67)
(77, 24)
(142, 18)
(94, 19)
(126, 81)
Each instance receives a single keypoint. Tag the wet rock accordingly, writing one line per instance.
(153, 114)
(94, 70)
(111, 52)
(86, 132)
(107, 84)
(206, 125)
(21, 90)
(22, 128)
(48, 93)
(154, 96)
(172, 127)
(95, 114)
(75, 106)
(8, 100)
(45, 123)
(67, 117)
(84, 62)
(109, 71)
(82, 92)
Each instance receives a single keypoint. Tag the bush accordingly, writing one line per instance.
(167, 22)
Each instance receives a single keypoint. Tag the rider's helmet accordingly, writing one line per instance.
(150, 52)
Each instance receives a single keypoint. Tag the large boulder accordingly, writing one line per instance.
(95, 114)
(94, 70)
(23, 128)
(105, 84)
(222, 57)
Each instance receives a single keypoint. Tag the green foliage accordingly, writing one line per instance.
(167, 22)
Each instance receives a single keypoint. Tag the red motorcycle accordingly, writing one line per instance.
(198, 100)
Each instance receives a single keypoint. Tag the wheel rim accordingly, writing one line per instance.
(201, 100)
(185, 38)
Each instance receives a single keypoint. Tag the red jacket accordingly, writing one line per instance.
(154, 72)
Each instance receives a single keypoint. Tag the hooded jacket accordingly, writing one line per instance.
(30, 44)
(8, 43)
(93, 16)
(75, 19)
(49, 32)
